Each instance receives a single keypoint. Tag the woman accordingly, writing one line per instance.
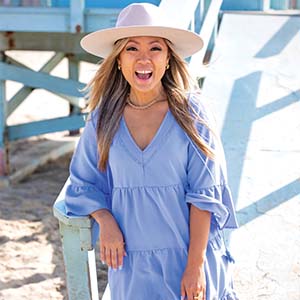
(149, 169)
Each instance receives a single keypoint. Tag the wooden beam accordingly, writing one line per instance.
(56, 19)
(41, 41)
(207, 29)
(21, 95)
(33, 164)
(3, 106)
(26, 130)
(34, 19)
(77, 16)
(45, 81)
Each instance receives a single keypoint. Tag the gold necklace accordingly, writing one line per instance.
(141, 107)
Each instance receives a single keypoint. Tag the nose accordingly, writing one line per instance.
(143, 57)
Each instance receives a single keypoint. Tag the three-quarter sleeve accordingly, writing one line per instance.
(207, 186)
(88, 190)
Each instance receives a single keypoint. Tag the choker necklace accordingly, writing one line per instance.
(141, 107)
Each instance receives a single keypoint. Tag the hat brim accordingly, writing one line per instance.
(100, 43)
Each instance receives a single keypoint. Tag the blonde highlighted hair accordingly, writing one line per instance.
(108, 92)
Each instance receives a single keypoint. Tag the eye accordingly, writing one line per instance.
(156, 48)
(131, 48)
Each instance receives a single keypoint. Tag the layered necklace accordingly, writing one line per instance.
(141, 107)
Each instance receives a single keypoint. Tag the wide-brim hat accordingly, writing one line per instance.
(142, 19)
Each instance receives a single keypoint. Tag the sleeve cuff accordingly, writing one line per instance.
(217, 200)
(83, 200)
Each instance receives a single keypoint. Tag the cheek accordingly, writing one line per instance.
(162, 66)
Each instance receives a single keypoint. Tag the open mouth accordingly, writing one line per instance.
(144, 75)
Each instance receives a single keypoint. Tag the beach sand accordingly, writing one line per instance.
(31, 262)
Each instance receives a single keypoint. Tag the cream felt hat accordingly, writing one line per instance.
(142, 19)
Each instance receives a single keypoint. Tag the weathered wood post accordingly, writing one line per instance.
(78, 252)
(3, 152)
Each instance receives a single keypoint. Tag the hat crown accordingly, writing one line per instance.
(140, 14)
(142, 19)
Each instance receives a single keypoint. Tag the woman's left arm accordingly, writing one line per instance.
(193, 281)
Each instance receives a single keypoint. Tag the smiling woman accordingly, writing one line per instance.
(143, 62)
(149, 169)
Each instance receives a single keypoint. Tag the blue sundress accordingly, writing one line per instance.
(149, 192)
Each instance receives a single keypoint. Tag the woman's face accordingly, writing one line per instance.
(143, 63)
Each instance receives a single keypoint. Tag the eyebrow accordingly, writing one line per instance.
(152, 42)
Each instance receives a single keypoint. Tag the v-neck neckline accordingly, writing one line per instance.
(131, 145)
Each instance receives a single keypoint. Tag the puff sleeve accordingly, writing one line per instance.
(88, 189)
(207, 183)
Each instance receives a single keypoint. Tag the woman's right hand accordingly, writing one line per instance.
(112, 248)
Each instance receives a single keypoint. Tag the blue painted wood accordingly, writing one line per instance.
(106, 4)
(52, 20)
(208, 34)
(280, 4)
(21, 95)
(242, 5)
(97, 19)
(116, 3)
(41, 80)
(88, 3)
(74, 75)
(26, 130)
(77, 16)
(2, 113)
(3, 169)
(41, 19)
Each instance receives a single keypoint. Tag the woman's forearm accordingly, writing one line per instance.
(199, 231)
(101, 215)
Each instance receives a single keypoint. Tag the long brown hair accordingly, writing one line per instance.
(108, 92)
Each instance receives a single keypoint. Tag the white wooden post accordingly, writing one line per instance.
(78, 252)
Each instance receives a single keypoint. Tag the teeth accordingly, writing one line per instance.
(144, 72)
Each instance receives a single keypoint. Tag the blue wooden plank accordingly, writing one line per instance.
(21, 131)
(2, 113)
(41, 80)
(2, 128)
(95, 4)
(41, 19)
(21, 95)
(280, 4)
(55, 20)
(208, 34)
(116, 3)
(242, 5)
(3, 170)
(97, 18)
(77, 16)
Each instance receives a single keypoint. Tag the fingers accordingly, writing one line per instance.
(112, 256)
(182, 292)
(198, 295)
(192, 294)
(120, 255)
